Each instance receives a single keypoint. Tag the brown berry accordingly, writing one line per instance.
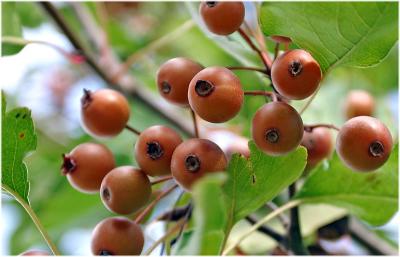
(277, 128)
(105, 112)
(173, 79)
(319, 145)
(364, 143)
(117, 236)
(154, 149)
(215, 94)
(222, 18)
(86, 166)
(125, 190)
(359, 103)
(296, 74)
(195, 158)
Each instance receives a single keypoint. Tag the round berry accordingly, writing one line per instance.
(117, 236)
(125, 190)
(277, 128)
(222, 18)
(296, 74)
(104, 112)
(173, 79)
(154, 149)
(359, 103)
(35, 253)
(364, 143)
(86, 166)
(281, 39)
(319, 145)
(195, 158)
(216, 94)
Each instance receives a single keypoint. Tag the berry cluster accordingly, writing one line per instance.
(215, 94)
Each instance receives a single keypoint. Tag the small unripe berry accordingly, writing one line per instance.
(359, 103)
(173, 79)
(277, 128)
(35, 253)
(104, 112)
(222, 18)
(154, 149)
(125, 190)
(117, 236)
(195, 158)
(86, 166)
(215, 94)
(296, 74)
(319, 145)
(364, 143)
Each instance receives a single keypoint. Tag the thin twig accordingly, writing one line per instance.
(267, 230)
(263, 71)
(195, 125)
(161, 179)
(295, 239)
(34, 218)
(271, 95)
(132, 129)
(276, 52)
(187, 217)
(146, 211)
(309, 128)
(282, 217)
(263, 56)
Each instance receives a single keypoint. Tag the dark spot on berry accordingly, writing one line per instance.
(86, 98)
(272, 135)
(295, 68)
(165, 87)
(68, 164)
(105, 252)
(192, 163)
(154, 150)
(211, 3)
(106, 194)
(204, 88)
(376, 149)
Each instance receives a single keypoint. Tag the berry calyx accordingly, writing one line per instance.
(117, 236)
(319, 145)
(359, 103)
(86, 166)
(104, 112)
(277, 128)
(222, 18)
(195, 158)
(173, 78)
(154, 149)
(364, 143)
(215, 94)
(296, 74)
(125, 190)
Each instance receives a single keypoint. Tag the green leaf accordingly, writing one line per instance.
(30, 14)
(18, 138)
(357, 34)
(251, 183)
(371, 196)
(210, 217)
(11, 26)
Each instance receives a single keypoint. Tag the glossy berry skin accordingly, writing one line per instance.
(281, 39)
(195, 158)
(319, 145)
(86, 166)
(296, 74)
(215, 94)
(117, 236)
(222, 18)
(104, 112)
(154, 149)
(35, 253)
(173, 78)
(359, 103)
(364, 143)
(277, 128)
(125, 190)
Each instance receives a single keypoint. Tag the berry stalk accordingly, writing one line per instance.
(261, 70)
(309, 128)
(135, 131)
(271, 95)
(160, 180)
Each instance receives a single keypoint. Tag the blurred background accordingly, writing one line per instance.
(50, 83)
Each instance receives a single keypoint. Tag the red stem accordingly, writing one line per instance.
(309, 128)
(196, 128)
(263, 71)
(160, 180)
(135, 131)
(272, 95)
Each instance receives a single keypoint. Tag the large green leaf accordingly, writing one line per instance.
(18, 138)
(210, 216)
(358, 34)
(371, 196)
(10, 26)
(253, 182)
